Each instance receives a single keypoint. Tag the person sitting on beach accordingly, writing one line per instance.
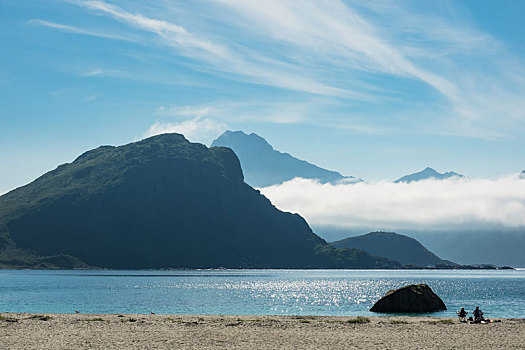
(462, 314)
(478, 315)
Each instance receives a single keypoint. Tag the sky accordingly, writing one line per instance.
(373, 89)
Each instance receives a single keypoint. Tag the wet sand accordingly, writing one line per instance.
(89, 331)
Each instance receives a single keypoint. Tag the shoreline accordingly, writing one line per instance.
(496, 268)
(144, 331)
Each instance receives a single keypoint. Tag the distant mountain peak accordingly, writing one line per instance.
(263, 166)
(241, 137)
(382, 233)
(394, 246)
(427, 173)
(522, 175)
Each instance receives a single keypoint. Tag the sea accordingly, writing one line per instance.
(499, 293)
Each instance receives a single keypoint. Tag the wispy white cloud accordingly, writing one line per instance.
(449, 56)
(198, 129)
(252, 66)
(431, 204)
(172, 33)
(77, 30)
(334, 30)
(91, 97)
(93, 72)
(313, 111)
(346, 50)
(186, 111)
(113, 73)
(246, 111)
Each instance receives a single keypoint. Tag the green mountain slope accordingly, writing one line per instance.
(394, 246)
(163, 203)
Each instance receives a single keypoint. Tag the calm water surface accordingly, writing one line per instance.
(252, 292)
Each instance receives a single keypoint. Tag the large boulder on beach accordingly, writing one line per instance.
(414, 298)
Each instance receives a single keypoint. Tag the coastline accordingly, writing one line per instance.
(139, 331)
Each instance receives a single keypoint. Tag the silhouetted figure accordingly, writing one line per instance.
(478, 315)
(462, 314)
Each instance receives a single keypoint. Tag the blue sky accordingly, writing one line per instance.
(374, 89)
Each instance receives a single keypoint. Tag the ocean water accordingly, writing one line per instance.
(253, 292)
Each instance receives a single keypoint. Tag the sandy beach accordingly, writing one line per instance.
(89, 331)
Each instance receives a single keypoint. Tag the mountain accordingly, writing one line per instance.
(427, 173)
(162, 202)
(14, 258)
(502, 247)
(522, 175)
(394, 246)
(264, 166)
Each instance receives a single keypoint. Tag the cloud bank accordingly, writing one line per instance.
(431, 204)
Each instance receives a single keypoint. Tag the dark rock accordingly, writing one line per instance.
(414, 298)
(62, 261)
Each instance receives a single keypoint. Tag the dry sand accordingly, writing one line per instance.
(88, 331)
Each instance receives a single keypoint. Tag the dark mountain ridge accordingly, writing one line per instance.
(264, 166)
(162, 202)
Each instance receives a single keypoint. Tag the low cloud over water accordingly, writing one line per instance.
(430, 204)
